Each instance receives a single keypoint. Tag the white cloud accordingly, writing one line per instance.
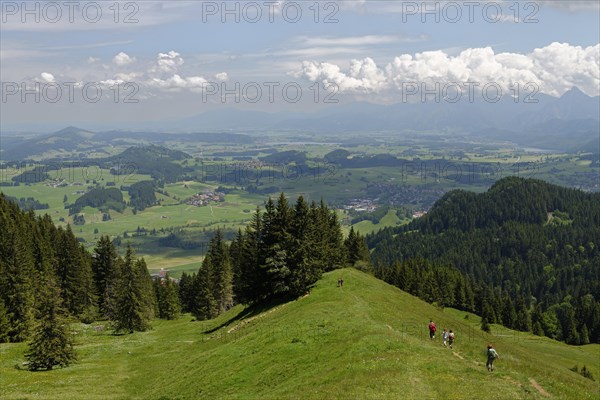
(222, 76)
(177, 83)
(363, 76)
(554, 69)
(169, 62)
(123, 59)
(92, 60)
(47, 77)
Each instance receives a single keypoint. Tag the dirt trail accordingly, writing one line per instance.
(458, 355)
(539, 388)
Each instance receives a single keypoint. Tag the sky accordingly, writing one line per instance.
(114, 63)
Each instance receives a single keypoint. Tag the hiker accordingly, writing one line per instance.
(451, 338)
(432, 330)
(341, 282)
(445, 336)
(491, 356)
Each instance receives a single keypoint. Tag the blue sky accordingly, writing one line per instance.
(180, 55)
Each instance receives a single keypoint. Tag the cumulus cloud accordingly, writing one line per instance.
(169, 62)
(554, 69)
(177, 83)
(123, 59)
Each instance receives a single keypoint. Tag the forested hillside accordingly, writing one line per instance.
(524, 254)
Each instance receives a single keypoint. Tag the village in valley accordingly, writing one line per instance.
(204, 199)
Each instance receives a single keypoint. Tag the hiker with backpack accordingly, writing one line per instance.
(451, 338)
(445, 336)
(432, 330)
(491, 356)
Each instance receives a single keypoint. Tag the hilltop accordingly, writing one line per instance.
(366, 339)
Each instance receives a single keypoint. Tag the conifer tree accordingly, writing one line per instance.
(169, 305)
(356, 248)
(75, 276)
(105, 267)
(205, 305)
(133, 312)
(221, 274)
(52, 343)
(186, 292)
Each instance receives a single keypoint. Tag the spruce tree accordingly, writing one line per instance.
(169, 305)
(221, 274)
(357, 249)
(186, 292)
(132, 310)
(205, 305)
(52, 343)
(75, 275)
(105, 270)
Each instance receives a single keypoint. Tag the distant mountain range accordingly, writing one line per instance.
(568, 123)
(73, 142)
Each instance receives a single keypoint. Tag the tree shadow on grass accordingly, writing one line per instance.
(250, 312)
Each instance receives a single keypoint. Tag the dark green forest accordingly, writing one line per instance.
(524, 254)
(102, 198)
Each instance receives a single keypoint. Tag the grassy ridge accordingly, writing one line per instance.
(364, 340)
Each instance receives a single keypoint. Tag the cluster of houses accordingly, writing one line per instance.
(203, 199)
(361, 205)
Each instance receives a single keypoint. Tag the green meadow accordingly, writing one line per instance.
(365, 340)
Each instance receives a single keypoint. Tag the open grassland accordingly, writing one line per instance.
(365, 340)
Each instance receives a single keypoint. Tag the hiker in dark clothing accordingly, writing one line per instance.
(491, 356)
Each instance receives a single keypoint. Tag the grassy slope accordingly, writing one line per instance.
(365, 340)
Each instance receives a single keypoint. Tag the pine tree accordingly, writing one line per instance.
(169, 306)
(186, 292)
(52, 343)
(487, 315)
(485, 325)
(221, 274)
(253, 283)
(147, 289)
(278, 272)
(75, 276)
(105, 271)
(205, 305)
(132, 309)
